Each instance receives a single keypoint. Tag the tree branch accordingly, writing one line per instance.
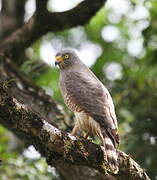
(23, 89)
(44, 21)
(54, 144)
(11, 16)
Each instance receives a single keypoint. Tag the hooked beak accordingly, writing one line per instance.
(58, 60)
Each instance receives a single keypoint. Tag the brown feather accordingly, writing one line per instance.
(92, 104)
(91, 97)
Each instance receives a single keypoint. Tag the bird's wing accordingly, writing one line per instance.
(92, 97)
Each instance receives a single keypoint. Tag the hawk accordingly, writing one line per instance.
(90, 101)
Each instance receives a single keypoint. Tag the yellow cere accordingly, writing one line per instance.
(59, 58)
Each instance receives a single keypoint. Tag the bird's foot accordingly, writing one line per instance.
(86, 136)
(74, 134)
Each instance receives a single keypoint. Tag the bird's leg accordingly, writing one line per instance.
(103, 145)
(86, 136)
(75, 129)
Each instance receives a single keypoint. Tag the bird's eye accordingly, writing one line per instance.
(66, 56)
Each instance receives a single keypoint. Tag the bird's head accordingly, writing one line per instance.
(66, 58)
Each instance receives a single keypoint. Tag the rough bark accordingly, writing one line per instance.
(55, 144)
(75, 172)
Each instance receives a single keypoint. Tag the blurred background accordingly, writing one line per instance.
(119, 44)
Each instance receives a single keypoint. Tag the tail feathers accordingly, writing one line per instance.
(110, 153)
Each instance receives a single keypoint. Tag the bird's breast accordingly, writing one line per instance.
(71, 103)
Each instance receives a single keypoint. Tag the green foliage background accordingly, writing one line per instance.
(134, 92)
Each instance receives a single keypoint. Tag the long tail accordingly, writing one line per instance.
(110, 152)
